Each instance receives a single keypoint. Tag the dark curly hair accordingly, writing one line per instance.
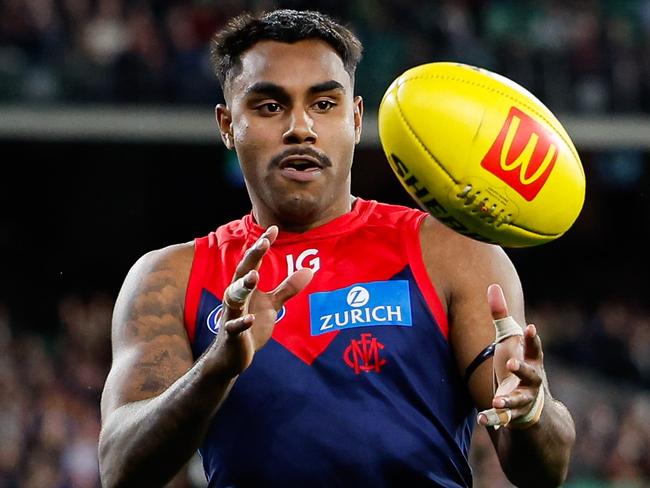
(245, 30)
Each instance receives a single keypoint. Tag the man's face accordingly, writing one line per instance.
(294, 122)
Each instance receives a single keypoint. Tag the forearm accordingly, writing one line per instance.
(146, 443)
(538, 456)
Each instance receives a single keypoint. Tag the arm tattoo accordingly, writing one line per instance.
(154, 381)
(154, 321)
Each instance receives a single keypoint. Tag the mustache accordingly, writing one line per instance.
(306, 151)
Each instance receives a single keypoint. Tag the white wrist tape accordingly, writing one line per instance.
(507, 327)
(236, 294)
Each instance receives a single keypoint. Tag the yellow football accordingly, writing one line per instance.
(481, 154)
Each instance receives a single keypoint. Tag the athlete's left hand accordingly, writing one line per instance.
(519, 368)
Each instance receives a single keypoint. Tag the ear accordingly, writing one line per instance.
(224, 120)
(358, 118)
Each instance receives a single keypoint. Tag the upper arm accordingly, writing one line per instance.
(462, 269)
(150, 346)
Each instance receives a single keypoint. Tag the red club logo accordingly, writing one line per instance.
(363, 354)
(523, 154)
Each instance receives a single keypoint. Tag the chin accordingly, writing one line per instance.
(298, 209)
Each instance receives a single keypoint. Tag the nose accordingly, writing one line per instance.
(301, 128)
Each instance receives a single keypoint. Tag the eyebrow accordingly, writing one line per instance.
(326, 86)
(268, 89)
(279, 93)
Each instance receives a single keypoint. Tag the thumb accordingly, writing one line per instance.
(497, 302)
(508, 348)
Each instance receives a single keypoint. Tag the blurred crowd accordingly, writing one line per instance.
(51, 381)
(582, 56)
(51, 385)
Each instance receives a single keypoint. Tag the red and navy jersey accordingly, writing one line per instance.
(358, 385)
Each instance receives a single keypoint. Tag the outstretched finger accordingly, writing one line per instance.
(494, 417)
(252, 258)
(524, 371)
(291, 286)
(235, 296)
(515, 400)
(497, 302)
(533, 344)
(239, 324)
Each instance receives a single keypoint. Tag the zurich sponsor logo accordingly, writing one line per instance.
(358, 296)
(215, 315)
(361, 305)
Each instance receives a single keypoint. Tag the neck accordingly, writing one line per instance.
(296, 221)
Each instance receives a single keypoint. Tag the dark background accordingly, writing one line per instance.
(76, 216)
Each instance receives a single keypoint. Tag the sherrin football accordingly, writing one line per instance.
(481, 154)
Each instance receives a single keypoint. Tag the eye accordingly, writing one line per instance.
(270, 108)
(325, 105)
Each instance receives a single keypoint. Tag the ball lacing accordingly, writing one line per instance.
(492, 214)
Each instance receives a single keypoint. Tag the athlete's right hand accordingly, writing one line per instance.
(249, 314)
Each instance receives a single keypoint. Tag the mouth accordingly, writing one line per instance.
(301, 167)
(300, 162)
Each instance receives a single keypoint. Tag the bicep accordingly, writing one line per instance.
(150, 346)
(471, 324)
